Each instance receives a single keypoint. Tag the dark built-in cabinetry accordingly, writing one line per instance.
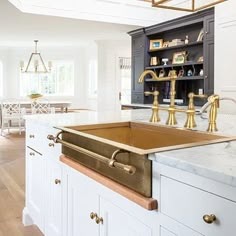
(195, 73)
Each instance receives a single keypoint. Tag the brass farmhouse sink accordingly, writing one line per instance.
(120, 151)
(142, 138)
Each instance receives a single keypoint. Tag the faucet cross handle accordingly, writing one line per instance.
(155, 106)
(190, 122)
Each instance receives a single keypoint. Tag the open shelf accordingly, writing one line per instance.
(173, 65)
(180, 78)
(177, 47)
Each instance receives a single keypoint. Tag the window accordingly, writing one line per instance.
(1, 79)
(60, 82)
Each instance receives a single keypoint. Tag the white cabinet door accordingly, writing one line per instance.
(81, 202)
(35, 186)
(117, 222)
(53, 217)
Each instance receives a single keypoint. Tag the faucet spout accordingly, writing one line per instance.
(172, 76)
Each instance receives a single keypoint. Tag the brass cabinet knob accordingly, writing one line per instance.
(57, 181)
(31, 136)
(51, 144)
(99, 220)
(209, 219)
(32, 153)
(93, 215)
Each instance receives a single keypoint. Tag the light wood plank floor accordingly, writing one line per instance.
(12, 186)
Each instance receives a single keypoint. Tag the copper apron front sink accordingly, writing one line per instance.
(128, 143)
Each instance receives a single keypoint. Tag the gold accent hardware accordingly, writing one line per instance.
(209, 219)
(215, 103)
(190, 122)
(57, 181)
(110, 161)
(32, 154)
(93, 215)
(172, 78)
(155, 117)
(99, 220)
(51, 144)
(129, 169)
(192, 6)
(31, 136)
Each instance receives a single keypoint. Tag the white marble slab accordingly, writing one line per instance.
(216, 161)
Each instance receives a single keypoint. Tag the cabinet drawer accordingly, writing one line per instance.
(188, 205)
(34, 136)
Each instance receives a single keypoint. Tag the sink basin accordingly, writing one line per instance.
(94, 146)
(142, 138)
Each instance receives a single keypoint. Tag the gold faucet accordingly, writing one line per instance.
(215, 103)
(190, 122)
(172, 76)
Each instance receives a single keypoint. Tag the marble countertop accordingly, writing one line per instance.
(215, 161)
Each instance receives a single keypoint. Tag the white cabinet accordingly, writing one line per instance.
(89, 213)
(53, 219)
(35, 187)
(117, 221)
(191, 202)
(195, 204)
(81, 202)
(43, 180)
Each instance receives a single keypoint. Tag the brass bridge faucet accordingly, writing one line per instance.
(171, 110)
(190, 122)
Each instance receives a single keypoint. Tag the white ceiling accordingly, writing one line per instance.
(20, 29)
(74, 22)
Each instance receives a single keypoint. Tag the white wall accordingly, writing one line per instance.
(108, 73)
(80, 55)
(225, 53)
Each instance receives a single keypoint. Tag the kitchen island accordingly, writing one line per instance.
(190, 185)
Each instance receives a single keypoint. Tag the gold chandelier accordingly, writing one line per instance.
(185, 5)
(36, 63)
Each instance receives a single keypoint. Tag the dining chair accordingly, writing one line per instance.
(41, 106)
(11, 113)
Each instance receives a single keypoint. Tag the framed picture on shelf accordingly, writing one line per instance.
(200, 35)
(156, 44)
(179, 57)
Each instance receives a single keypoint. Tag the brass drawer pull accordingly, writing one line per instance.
(51, 144)
(57, 181)
(209, 219)
(32, 154)
(99, 220)
(31, 136)
(93, 215)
